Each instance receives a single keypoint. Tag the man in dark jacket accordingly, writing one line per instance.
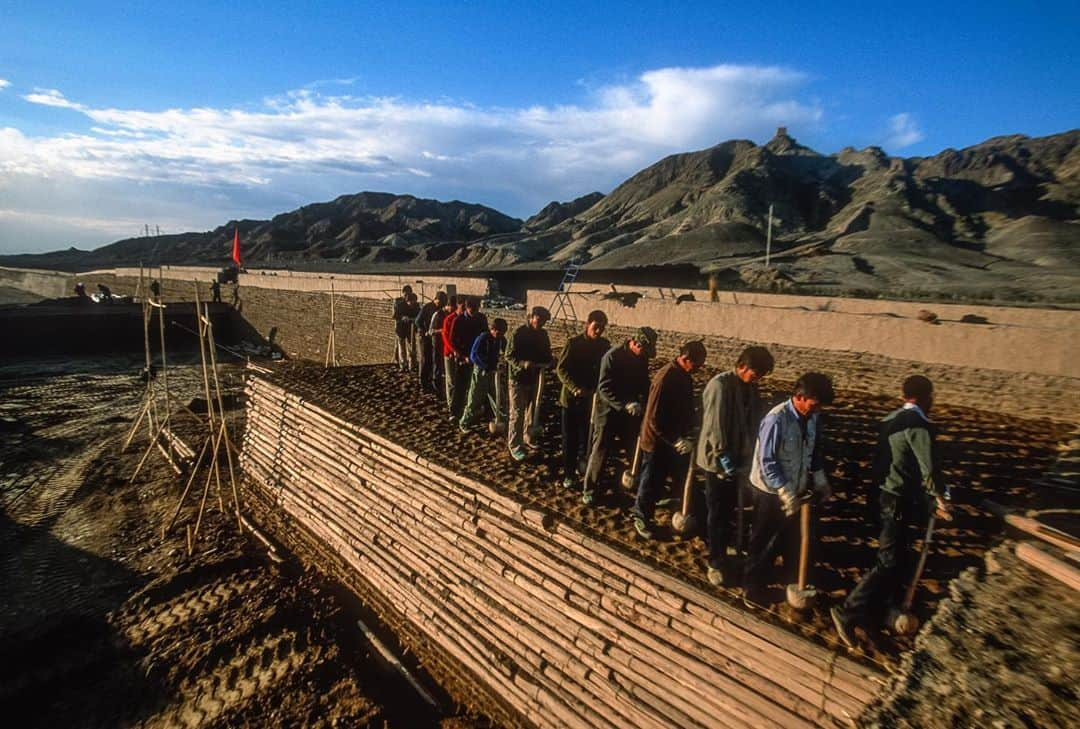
(427, 352)
(467, 327)
(665, 432)
(620, 400)
(405, 315)
(578, 370)
(529, 353)
(484, 355)
(908, 470)
(397, 309)
(731, 408)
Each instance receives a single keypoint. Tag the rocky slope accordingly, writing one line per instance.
(996, 220)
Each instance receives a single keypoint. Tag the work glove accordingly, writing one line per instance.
(684, 446)
(727, 465)
(789, 501)
(822, 488)
(633, 408)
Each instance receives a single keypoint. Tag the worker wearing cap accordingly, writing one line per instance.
(405, 329)
(529, 352)
(620, 400)
(665, 432)
(397, 310)
(435, 334)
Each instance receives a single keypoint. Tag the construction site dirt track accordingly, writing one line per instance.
(103, 623)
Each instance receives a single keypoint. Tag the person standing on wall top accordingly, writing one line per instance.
(215, 291)
(908, 470)
(788, 454)
(620, 401)
(467, 327)
(666, 445)
(397, 311)
(450, 359)
(578, 369)
(434, 335)
(731, 408)
(406, 333)
(422, 326)
(484, 355)
(529, 353)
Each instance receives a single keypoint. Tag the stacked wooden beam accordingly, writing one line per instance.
(568, 630)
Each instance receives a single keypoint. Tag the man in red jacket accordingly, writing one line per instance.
(449, 359)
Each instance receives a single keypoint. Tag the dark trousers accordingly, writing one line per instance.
(656, 467)
(462, 380)
(885, 580)
(575, 432)
(609, 430)
(771, 531)
(721, 501)
(437, 366)
(427, 364)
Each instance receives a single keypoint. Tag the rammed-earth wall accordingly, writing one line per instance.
(518, 612)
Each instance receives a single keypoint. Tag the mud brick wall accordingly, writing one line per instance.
(1021, 390)
(553, 627)
(363, 326)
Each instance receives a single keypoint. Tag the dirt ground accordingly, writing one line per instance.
(103, 623)
(988, 455)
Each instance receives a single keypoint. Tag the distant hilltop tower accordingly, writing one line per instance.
(781, 131)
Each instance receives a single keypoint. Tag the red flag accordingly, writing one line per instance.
(236, 246)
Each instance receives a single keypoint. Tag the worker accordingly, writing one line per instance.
(396, 312)
(620, 401)
(466, 328)
(787, 455)
(434, 335)
(422, 327)
(908, 471)
(578, 370)
(80, 293)
(406, 332)
(485, 353)
(731, 408)
(449, 358)
(528, 353)
(215, 291)
(105, 293)
(666, 428)
(155, 290)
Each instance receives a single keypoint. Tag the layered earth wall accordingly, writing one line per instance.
(519, 610)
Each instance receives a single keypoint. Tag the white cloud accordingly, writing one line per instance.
(4, 83)
(309, 145)
(904, 131)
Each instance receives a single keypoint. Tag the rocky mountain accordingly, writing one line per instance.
(1000, 219)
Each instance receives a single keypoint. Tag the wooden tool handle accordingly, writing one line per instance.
(909, 596)
(804, 543)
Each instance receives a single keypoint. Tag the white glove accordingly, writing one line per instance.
(633, 408)
(822, 488)
(684, 446)
(788, 500)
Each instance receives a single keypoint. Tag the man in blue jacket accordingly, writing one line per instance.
(484, 355)
(787, 456)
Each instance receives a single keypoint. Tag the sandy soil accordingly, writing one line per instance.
(1003, 651)
(103, 623)
(988, 454)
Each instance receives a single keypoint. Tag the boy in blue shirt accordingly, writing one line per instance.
(484, 355)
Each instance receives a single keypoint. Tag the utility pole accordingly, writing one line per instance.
(146, 229)
(768, 239)
(158, 229)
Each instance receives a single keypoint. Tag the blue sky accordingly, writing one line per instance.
(114, 116)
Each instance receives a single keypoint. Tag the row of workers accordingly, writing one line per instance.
(609, 402)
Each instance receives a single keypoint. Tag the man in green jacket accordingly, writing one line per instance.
(578, 370)
(908, 470)
(731, 411)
